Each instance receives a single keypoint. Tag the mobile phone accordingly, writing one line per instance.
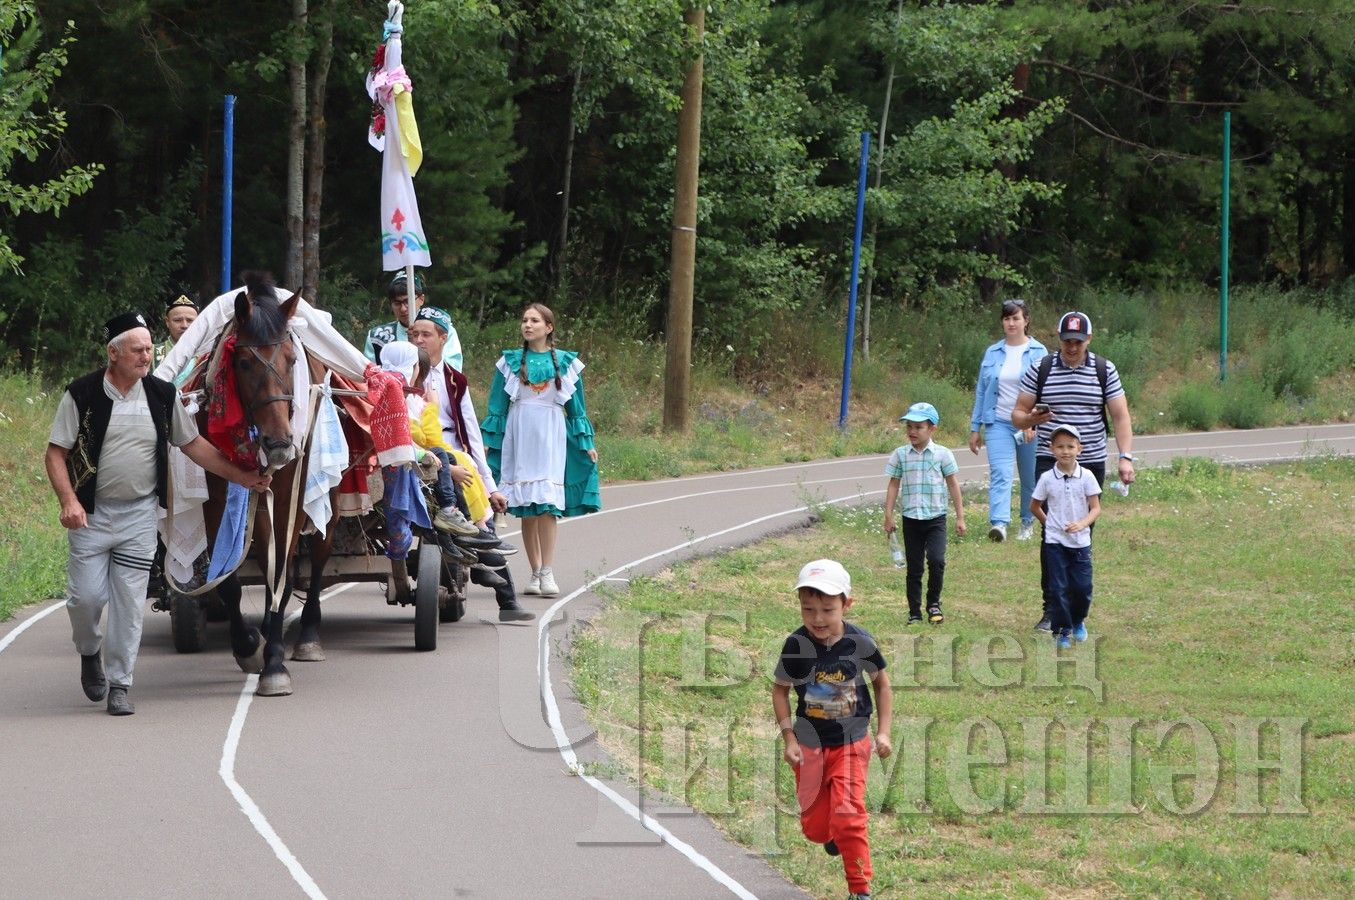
(1040, 408)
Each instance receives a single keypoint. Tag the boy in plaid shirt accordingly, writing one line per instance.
(923, 473)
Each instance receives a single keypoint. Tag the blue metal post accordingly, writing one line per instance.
(227, 192)
(1223, 264)
(856, 271)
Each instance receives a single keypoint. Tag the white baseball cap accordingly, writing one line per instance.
(826, 576)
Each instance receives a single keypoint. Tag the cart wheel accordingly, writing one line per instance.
(188, 622)
(426, 599)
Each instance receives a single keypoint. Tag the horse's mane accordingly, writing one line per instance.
(267, 321)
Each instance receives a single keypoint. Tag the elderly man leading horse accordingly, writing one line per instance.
(107, 461)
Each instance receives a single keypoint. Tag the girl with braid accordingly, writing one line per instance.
(539, 442)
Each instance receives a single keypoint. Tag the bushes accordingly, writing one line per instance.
(1196, 406)
(1245, 403)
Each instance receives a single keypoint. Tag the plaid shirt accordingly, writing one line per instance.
(922, 479)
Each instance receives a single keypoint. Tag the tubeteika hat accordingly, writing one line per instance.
(125, 322)
(921, 412)
(826, 576)
(182, 300)
(398, 284)
(437, 316)
(1075, 326)
(1077, 436)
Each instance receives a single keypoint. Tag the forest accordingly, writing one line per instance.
(1030, 147)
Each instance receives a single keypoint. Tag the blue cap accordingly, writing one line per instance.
(921, 412)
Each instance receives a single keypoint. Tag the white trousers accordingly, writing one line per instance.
(110, 565)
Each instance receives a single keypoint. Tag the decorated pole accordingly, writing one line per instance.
(395, 133)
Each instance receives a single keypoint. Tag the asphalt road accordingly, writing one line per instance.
(393, 773)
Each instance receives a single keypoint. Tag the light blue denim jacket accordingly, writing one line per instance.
(985, 399)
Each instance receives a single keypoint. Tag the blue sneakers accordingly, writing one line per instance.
(1063, 641)
(1080, 631)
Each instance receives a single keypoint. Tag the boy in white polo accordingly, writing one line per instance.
(1067, 501)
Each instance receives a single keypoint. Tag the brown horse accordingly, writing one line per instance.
(263, 363)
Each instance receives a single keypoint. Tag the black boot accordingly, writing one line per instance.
(510, 611)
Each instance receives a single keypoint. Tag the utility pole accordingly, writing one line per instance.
(677, 375)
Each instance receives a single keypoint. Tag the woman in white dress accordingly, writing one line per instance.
(539, 441)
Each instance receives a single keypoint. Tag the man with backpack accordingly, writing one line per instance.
(1079, 388)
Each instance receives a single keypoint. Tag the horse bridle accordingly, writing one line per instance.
(274, 374)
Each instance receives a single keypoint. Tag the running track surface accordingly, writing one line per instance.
(392, 773)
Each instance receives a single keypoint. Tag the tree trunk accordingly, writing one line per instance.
(296, 147)
(562, 243)
(869, 286)
(315, 162)
(1348, 214)
(995, 243)
(677, 372)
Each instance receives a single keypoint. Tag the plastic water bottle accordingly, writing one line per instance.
(1120, 488)
(896, 550)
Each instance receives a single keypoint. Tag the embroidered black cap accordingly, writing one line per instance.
(125, 322)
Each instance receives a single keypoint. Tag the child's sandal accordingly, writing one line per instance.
(934, 615)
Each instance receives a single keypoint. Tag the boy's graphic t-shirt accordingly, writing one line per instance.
(834, 705)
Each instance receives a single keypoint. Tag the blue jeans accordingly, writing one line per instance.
(444, 489)
(1070, 580)
(1003, 452)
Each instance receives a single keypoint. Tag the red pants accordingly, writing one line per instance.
(831, 787)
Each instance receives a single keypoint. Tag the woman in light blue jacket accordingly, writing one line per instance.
(999, 378)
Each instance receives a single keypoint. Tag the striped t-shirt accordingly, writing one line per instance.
(1075, 397)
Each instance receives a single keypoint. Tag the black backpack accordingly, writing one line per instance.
(1102, 375)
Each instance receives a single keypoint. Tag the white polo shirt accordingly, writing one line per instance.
(1065, 498)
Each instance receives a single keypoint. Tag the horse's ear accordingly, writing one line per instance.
(241, 308)
(289, 308)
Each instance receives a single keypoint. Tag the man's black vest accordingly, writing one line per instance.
(93, 409)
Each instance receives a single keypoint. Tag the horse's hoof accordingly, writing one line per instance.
(252, 664)
(311, 651)
(275, 684)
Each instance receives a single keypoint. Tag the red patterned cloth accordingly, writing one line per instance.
(389, 418)
(226, 425)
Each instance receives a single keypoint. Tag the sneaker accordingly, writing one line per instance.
(1080, 632)
(1027, 531)
(998, 533)
(1044, 624)
(533, 586)
(505, 549)
(934, 615)
(1063, 640)
(452, 521)
(859, 896)
(118, 703)
(914, 619)
(92, 676)
(548, 586)
(831, 848)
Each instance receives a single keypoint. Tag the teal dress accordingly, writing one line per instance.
(537, 436)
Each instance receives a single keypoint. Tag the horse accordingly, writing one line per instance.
(262, 364)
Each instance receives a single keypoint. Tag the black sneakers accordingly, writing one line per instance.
(1044, 624)
(118, 702)
(92, 676)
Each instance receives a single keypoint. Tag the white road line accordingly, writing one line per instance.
(14, 635)
(247, 804)
(562, 739)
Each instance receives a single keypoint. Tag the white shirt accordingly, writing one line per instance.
(1009, 380)
(446, 416)
(1065, 498)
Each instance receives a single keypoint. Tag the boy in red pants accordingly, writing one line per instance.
(828, 662)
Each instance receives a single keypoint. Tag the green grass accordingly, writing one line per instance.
(32, 541)
(1222, 595)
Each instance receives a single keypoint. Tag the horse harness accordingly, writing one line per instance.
(273, 374)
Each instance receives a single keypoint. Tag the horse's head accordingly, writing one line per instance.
(263, 364)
